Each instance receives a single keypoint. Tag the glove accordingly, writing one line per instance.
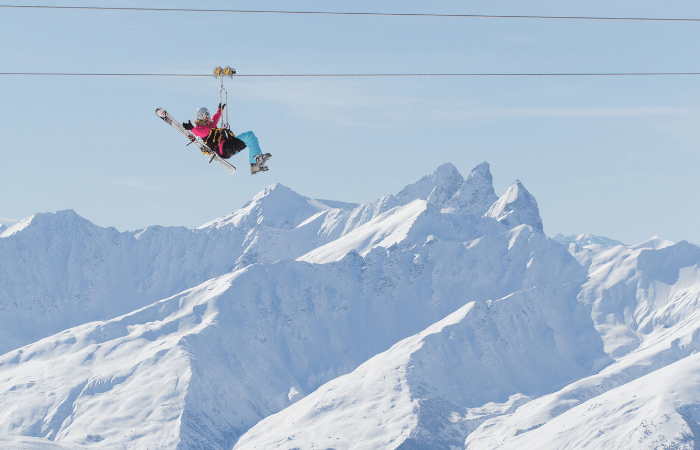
(187, 125)
(221, 107)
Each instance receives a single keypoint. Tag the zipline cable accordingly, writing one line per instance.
(339, 75)
(340, 13)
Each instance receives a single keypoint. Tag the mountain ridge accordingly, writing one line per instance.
(89, 263)
(444, 307)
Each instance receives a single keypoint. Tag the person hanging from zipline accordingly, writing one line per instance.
(224, 142)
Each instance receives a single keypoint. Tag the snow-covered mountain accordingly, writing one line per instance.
(644, 302)
(60, 270)
(429, 390)
(516, 206)
(583, 240)
(440, 317)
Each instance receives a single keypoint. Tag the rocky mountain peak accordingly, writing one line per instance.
(476, 194)
(517, 207)
(440, 186)
(276, 206)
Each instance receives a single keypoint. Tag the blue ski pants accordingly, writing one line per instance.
(252, 142)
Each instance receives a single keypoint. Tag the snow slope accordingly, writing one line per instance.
(428, 391)
(385, 230)
(644, 301)
(357, 410)
(658, 411)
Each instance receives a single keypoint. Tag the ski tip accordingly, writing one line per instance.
(160, 112)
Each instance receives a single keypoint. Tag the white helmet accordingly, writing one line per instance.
(202, 114)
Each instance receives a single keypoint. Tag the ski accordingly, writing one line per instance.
(163, 114)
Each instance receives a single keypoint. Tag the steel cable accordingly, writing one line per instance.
(345, 13)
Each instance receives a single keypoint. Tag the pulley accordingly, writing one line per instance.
(225, 72)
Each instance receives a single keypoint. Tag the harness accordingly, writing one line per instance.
(216, 136)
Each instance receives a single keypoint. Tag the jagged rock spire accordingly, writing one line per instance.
(439, 186)
(476, 194)
(516, 207)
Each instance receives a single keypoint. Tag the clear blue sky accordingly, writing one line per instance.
(610, 156)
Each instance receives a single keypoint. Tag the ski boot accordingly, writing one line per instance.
(257, 167)
(260, 158)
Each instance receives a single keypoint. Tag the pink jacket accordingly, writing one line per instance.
(203, 130)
